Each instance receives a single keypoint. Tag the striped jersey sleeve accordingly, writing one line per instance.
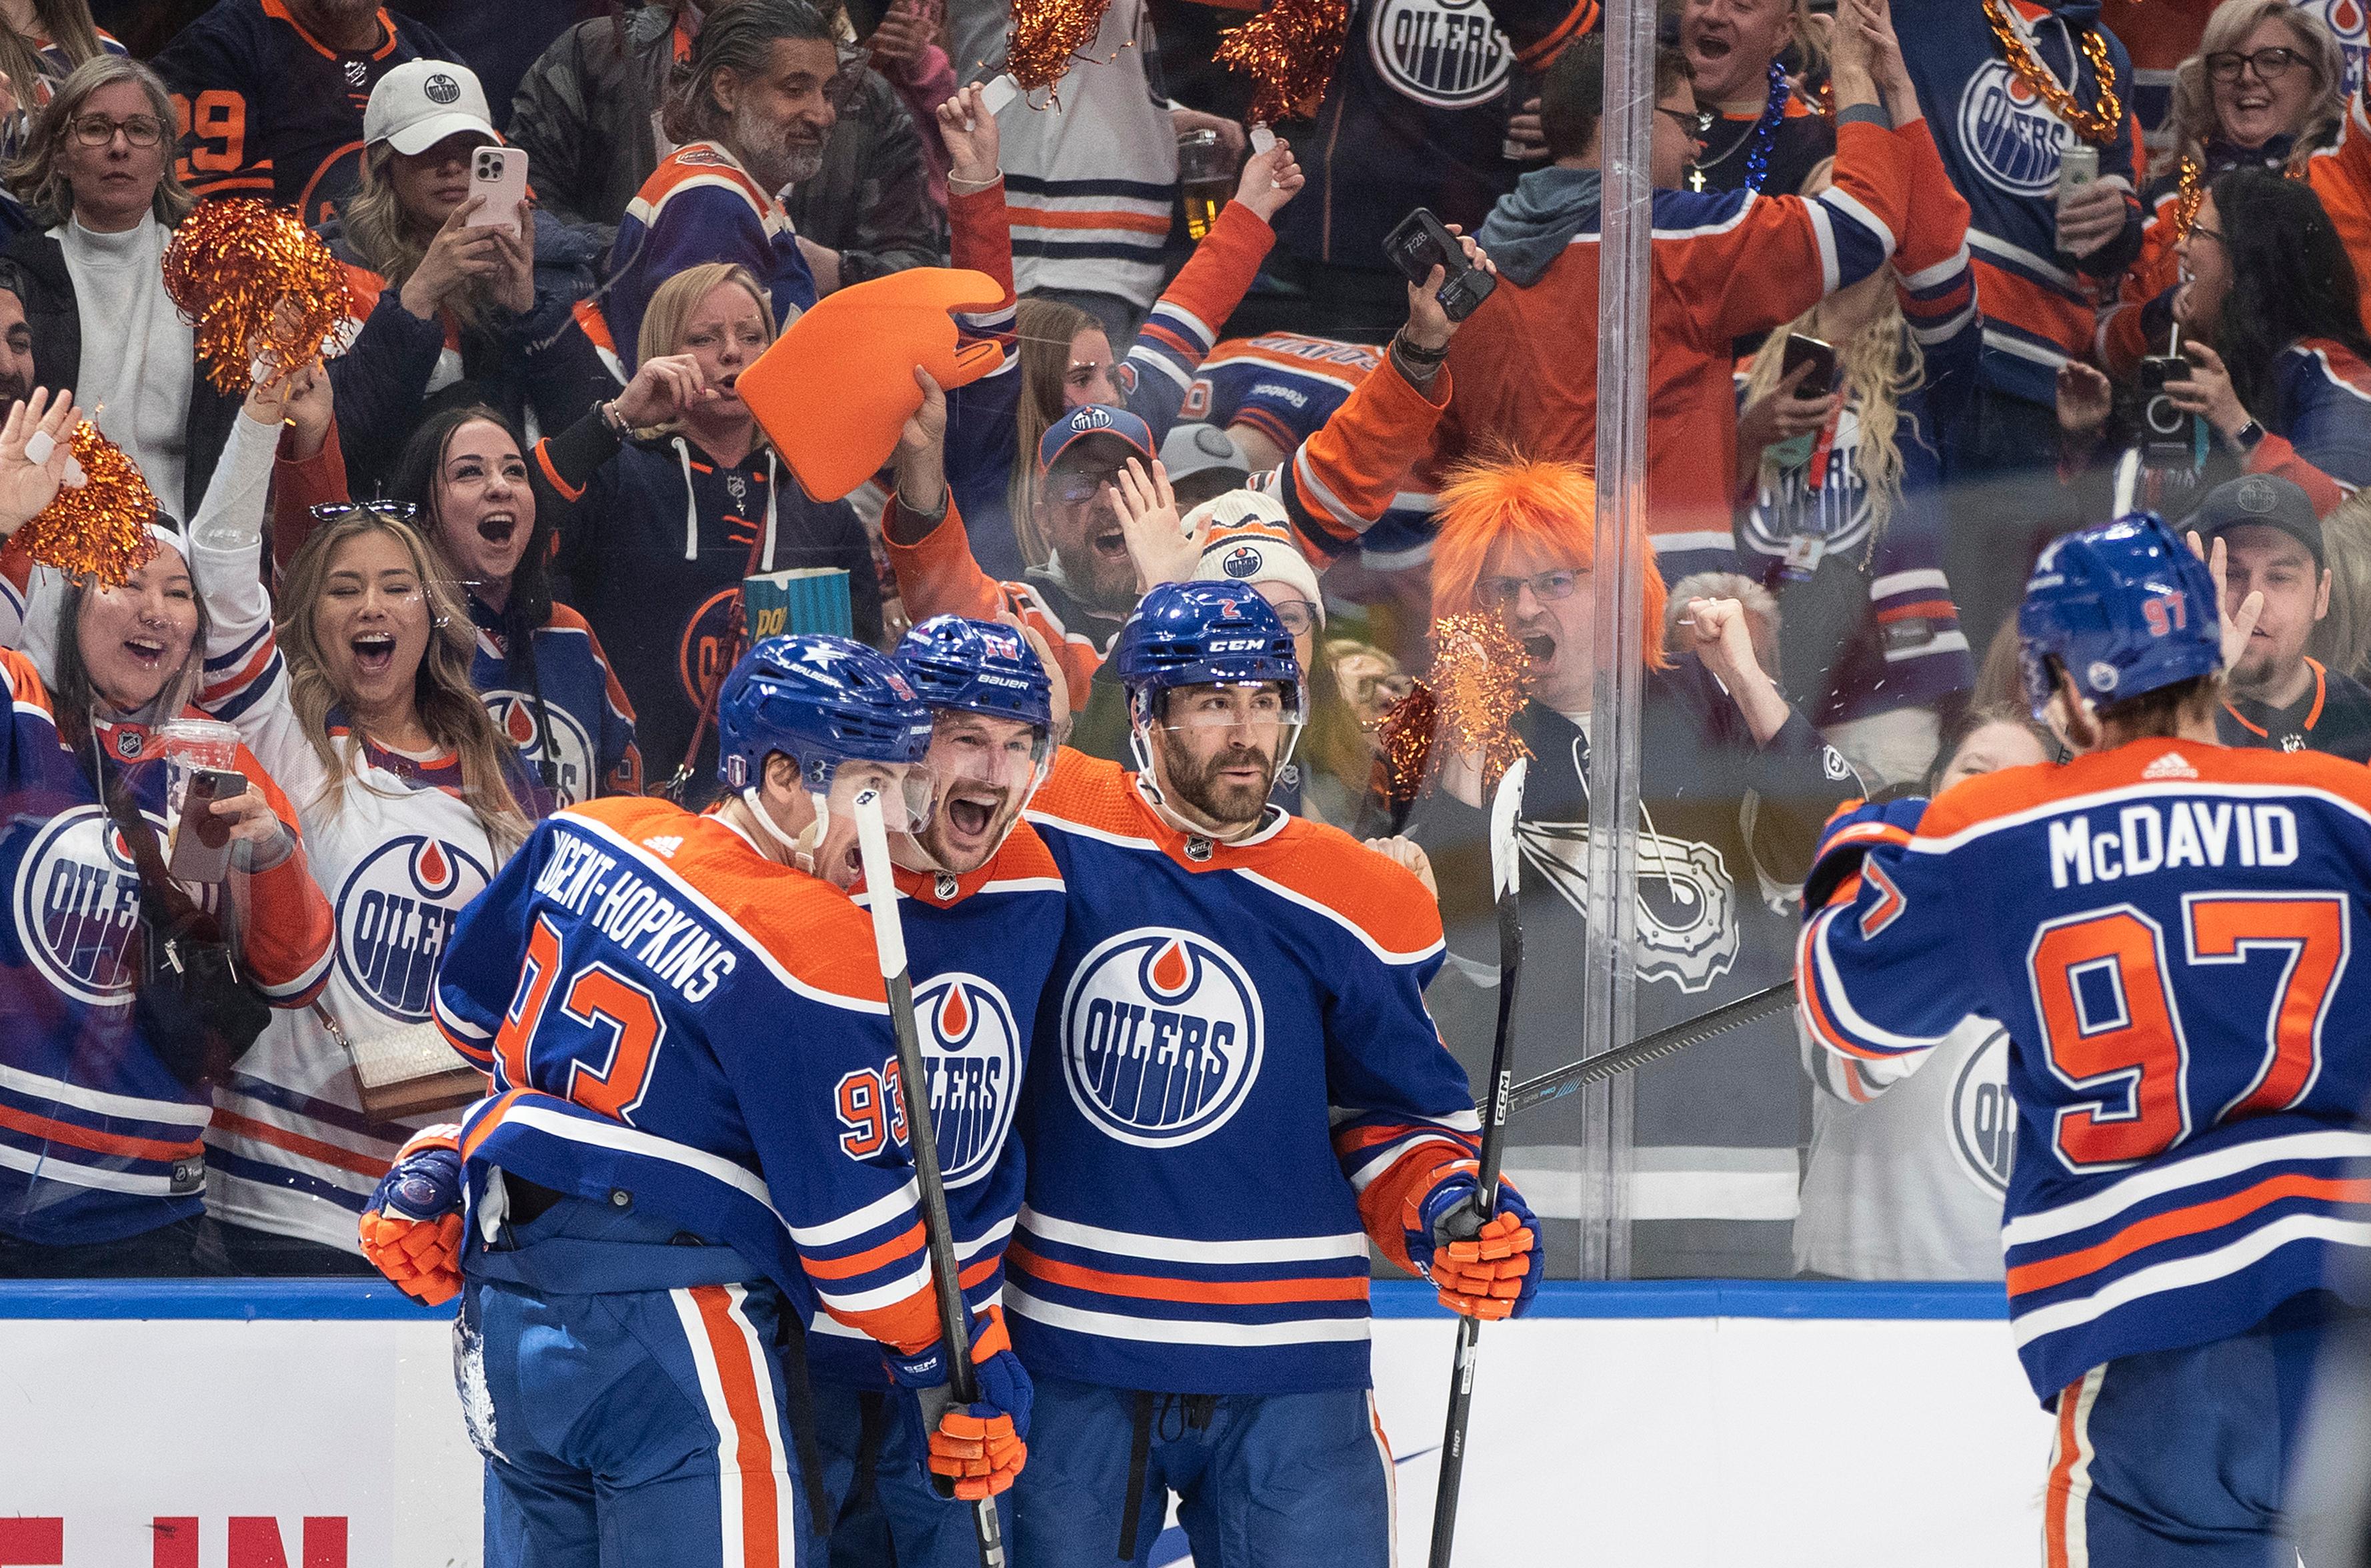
(1183, 325)
(1338, 484)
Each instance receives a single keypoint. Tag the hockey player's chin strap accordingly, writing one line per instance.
(801, 848)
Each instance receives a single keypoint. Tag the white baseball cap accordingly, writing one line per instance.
(420, 102)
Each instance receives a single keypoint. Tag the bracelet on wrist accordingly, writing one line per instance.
(1415, 353)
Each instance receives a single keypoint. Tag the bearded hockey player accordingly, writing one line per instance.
(1239, 1086)
(2167, 936)
(681, 1014)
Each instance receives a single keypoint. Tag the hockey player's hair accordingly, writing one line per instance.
(1572, 97)
(1550, 506)
(738, 37)
(2157, 713)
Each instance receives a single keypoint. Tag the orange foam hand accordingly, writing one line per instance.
(837, 386)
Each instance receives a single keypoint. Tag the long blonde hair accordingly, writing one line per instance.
(1875, 370)
(2192, 119)
(2342, 640)
(1044, 329)
(68, 26)
(668, 315)
(450, 708)
(389, 245)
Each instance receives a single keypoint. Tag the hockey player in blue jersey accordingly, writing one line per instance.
(665, 1183)
(983, 917)
(2168, 940)
(1237, 1086)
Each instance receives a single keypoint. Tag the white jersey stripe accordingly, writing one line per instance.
(2172, 1174)
(1163, 1331)
(106, 1105)
(2181, 1272)
(1175, 1250)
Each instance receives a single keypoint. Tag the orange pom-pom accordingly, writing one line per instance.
(252, 279)
(1290, 49)
(98, 531)
(1047, 35)
(1480, 681)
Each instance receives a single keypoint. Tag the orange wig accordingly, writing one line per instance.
(1549, 507)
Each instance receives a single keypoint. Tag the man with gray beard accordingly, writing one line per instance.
(751, 115)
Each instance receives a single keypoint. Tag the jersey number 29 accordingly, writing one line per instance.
(2111, 1023)
(598, 999)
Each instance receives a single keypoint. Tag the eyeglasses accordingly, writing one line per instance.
(2269, 63)
(140, 129)
(1493, 591)
(338, 511)
(1691, 125)
(1076, 490)
(2215, 234)
(1297, 615)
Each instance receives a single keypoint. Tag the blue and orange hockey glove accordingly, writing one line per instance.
(1850, 834)
(1486, 1269)
(976, 1449)
(411, 1227)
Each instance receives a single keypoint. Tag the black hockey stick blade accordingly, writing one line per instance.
(1506, 889)
(922, 1140)
(1751, 1008)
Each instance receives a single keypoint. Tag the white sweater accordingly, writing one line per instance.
(136, 350)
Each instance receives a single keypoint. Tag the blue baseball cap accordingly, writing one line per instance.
(1095, 419)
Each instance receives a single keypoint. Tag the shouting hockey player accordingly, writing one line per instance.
(1239, 1085)
(681, 1021)
(983, 917)
(2169, 942)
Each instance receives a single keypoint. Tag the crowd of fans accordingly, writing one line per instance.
(1932, 283)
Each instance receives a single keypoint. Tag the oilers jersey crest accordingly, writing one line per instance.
(1237, 1084)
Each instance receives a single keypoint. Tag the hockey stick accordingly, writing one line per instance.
(1751, 1008)
(1506, 806)
(923, 1138)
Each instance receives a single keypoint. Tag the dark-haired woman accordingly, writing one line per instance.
(538, 667)
(2271, 324)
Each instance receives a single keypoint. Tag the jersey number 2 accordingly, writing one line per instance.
(598, 998)
(2111, 1023)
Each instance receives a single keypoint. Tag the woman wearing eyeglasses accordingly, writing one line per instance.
(98, 177)
(2265, 90)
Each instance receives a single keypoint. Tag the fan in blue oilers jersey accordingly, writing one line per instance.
(983, 917)
(2168, 941)
(1241, 1086)
(692, 1144)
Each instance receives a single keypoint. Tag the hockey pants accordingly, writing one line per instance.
(884, 1509)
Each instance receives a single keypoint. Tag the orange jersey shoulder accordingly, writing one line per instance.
(1088, 792)
(2150, 761)
(1320, 866)
(24, 678)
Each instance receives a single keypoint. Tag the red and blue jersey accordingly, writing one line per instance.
(100, 1129)
(2168, 939)
(1239, 1086)
(981, 946)
(668, 1014)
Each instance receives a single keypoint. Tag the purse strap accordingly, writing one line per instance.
(169, 911)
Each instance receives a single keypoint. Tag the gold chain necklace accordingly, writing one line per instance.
(2098, 125)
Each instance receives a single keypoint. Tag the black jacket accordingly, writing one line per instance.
(55, 318)
(583, 116)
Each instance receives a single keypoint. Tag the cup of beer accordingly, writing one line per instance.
(1206, 178)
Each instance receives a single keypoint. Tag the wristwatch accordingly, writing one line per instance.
(2243, 440)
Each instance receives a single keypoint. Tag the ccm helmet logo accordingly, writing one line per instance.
(1237, 644)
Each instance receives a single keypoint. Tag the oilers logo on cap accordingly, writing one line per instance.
(395, 919)
(1090, 419)
(1242, 563)
(971, 1056)
(2009, 134)
(441, 88)
(1161, 1037)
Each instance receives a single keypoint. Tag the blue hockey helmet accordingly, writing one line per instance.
(823, 700)
(1203, 634)
(2125, 608)
(979, 666)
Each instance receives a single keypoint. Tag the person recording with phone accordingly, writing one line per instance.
(460, 294)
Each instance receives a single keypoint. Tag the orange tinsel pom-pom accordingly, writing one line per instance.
(98, 531)
(232, 268)
(1047, 35)
(1290, 49)
(1478, 683)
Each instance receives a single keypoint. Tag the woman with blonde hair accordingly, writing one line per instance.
(359, 699)
(1841, 512)
(2342, 640)
(41, 42)
(449, 309)
(667, 497)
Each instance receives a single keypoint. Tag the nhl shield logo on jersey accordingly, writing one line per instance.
(395, 917)
(971, 1054)
(2010, 134)
(570, 747)
(78, 905)
(1446, 53)
(1161, 1037)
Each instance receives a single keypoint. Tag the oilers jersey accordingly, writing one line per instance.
(981, 946)
(699, 205)
(1239, 1086)
(561, 704)
(2168, 941)
(670, 1016)
(99, 1135)
(399, 851)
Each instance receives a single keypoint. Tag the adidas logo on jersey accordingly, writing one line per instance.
(665, 844)
(2172, 765)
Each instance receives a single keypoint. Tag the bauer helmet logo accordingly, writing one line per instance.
(1161, 1037)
